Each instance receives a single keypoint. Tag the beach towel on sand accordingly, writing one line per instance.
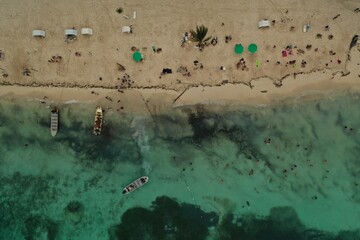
(258, 63)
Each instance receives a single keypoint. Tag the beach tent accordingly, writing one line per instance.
(38, 33)
(238, 48)
(137, 56)
(264, 23)
(70, 32)
(86, 31)
(306, 27)
(126, 29)
(252, 48)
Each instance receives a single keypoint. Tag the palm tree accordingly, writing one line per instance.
(199, 36)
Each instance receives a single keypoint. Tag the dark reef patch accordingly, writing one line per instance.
(15, 205)
(282, 224)
(208, 125)
(36, 227)
(104, 149)
(243, 141)
(201, 129)
(166, 219)
(74, 211)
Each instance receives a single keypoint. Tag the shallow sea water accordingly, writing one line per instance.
(212, 176)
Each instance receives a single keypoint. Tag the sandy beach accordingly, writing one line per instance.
(91, 62)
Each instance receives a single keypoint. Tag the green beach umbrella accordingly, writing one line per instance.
(252, 48)
(239, 48)
(137, 56)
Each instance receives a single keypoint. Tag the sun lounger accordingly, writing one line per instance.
(264, 23)
(126, 29)
(70, 32)
(86, 31)
(306, 27)
(38, 33)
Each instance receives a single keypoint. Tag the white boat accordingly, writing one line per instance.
(135, 184)
(98, 121)
(54, 124)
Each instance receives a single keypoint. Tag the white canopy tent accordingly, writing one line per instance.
(126, 29)
(86, 31)
(306, 27)
(38, 33)
(264, 23)
(70, 32)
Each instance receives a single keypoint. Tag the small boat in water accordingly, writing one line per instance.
(98, 121)
(135, 184)
(54, 124)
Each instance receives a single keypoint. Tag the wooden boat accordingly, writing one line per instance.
(135, 184)
(98, 121)
(54, 124)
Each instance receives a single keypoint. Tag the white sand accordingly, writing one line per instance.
(163, 25)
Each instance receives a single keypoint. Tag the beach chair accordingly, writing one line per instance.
(70, 35)
(126, 29)
(38, 33)
(264, 23)
(306, 28)
(70, 32)
(86, 31)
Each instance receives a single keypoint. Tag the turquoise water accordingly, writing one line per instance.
(212, 176)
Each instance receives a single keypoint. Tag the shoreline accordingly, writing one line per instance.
(260, 92)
